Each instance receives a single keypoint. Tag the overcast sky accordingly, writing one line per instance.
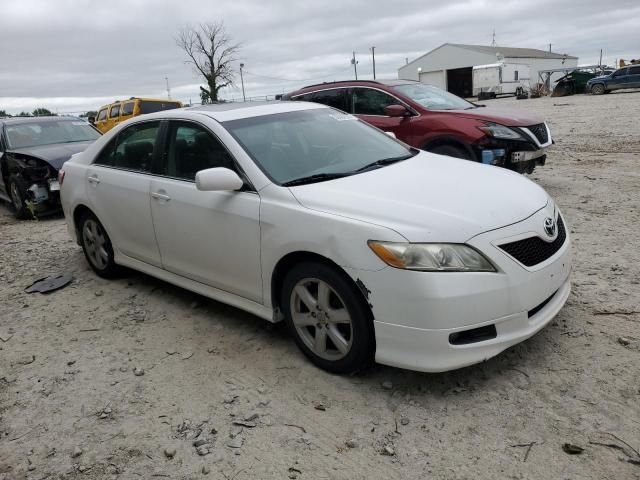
(75, 55)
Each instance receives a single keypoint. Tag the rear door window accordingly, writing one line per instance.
(634, 70)
(115, 111)
(367, 101)
(127, 108)
(336, 98)
(132, 149)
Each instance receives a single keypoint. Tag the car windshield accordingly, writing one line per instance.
(432, 97)
(314, 145)
(33, 134)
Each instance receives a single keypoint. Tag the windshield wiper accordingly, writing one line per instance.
(384, 162)
(316, 177)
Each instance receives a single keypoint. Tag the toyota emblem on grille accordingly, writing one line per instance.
(550, 226)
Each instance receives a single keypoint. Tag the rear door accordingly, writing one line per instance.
(619, 79)
(209, 237)
(118, 184)
(369, 103)
(634, 76)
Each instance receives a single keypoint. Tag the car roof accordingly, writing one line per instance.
(354, 83)
(223, 112)
(21, 120)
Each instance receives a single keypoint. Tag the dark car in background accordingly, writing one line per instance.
(32, 150)
(431, 119)
(626, 77)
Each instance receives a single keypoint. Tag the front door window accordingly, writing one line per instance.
(367, 101)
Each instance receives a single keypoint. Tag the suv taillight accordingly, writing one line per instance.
(61, 177)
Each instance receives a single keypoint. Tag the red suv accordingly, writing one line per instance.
(429, 118)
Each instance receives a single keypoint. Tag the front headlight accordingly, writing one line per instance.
(500, 131)
(431, 257)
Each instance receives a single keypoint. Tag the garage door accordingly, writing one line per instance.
(434, 78)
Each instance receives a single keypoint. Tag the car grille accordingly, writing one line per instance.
(534, 250)
(540, 131)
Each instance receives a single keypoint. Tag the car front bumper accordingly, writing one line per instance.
(416, 313)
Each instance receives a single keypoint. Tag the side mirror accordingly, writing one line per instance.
(218, 180)
(396, 111)
(91, 120)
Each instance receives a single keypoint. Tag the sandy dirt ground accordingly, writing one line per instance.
(225, 395)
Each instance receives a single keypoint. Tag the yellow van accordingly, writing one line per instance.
(110, 115)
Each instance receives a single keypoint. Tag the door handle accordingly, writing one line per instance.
(93, 179)
(160, 196)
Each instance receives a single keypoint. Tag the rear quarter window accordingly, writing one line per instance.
(151, 106)
(102, 115)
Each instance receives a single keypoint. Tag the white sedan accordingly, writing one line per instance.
(368, 249)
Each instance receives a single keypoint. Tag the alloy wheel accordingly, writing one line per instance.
(95, 242)
(321, 319)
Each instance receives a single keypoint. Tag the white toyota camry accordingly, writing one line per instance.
(367, 248)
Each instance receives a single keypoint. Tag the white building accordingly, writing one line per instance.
(450, 65)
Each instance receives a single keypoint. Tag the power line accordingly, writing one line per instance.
(296, 79)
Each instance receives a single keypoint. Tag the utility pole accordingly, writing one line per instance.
(493, 42)
(373, 55)
(600, 63)
(549, 47)
(244, 99)
(168, 89)
(355, 65)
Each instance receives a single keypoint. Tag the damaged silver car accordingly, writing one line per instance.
(32, 150)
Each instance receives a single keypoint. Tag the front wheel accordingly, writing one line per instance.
(97, 246)
(17, 190)
(598, 89)
(328, 318)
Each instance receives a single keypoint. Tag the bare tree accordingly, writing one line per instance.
(212, 54)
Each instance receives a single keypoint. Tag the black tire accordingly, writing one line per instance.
(598, 89)
(451, 151)
(18, 195)
(361, 351)
(99, 254)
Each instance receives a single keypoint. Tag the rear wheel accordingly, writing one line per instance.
(17, 190)
(97, 247)
(598, 89)
(451, 151)
(328, 318)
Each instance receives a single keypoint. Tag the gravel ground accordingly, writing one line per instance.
(118, 379)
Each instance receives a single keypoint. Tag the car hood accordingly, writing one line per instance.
(429, 198)
(507, 117)
(55, 154)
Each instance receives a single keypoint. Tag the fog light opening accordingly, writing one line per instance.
(474, 335)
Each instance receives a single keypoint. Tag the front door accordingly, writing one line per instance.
(118, 185)
(634, 76)
(619, 79)
(368, 104)
(209, 237)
